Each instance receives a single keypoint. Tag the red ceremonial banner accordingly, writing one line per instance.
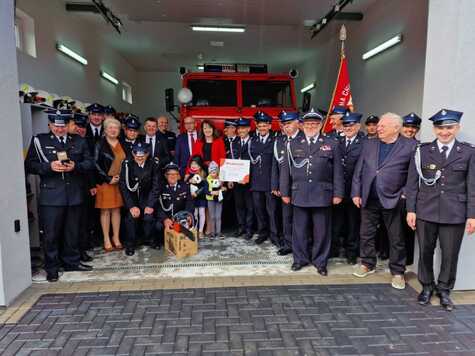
(341, 93)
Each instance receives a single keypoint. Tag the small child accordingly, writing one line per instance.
(196, 178)
(214, 195)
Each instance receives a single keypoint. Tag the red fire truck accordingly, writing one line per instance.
(221, 95)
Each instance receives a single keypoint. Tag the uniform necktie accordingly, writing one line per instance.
(348, 143)
(151, 141)
(96, 132)
(61, 141)
(443, 152)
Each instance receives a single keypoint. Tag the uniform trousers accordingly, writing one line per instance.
(450, 238)
(244, 207)
(313, 247)
(371, 215)
(134, 227)
(287, 217)
(346, 228)
(60, 226)
(265, 207)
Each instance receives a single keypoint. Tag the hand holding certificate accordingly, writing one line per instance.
(234, 170)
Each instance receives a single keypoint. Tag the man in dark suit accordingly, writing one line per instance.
(158, 143)
(312, 180)
(94, 129)
(441, 203)
(139, 180)
(290, 131)
(346, 219)
(170, 136)
(61, 160)
(242, 196)
(378, 181)
(260, 153)
(184, 144)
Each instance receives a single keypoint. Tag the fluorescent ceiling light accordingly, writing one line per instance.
(383, 46)
(70, 53)
(307, 88)
(218, 28)
(109, 77)
(201, 67)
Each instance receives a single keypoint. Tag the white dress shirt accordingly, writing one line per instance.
(449, 145)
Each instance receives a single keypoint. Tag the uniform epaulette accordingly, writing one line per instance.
(424, 144)
(468, 144)
(126, 161)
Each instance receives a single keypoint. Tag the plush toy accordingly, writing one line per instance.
(195, 184)
(216, 185)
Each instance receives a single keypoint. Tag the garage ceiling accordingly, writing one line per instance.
(157, 35)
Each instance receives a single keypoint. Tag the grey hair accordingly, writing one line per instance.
(394, 117)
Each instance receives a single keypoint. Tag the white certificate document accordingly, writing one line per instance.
(234, 170)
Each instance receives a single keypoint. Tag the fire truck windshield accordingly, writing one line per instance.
(262, 93)
(213, 92)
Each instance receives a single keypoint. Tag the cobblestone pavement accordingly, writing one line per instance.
(368, 319)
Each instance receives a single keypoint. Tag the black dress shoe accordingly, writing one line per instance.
(284, 251)
(79, 268)
(383, 256)
(351, 260)
(85, 257)
(322, 271)
(248, 237)
(445, 301)
(297, 266)
(129, 251)
(52, 277)
(424, 297)
(260, 240)
(240, 233)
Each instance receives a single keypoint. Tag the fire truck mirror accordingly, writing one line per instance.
(169, 99)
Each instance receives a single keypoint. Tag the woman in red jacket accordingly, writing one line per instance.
(210, 146)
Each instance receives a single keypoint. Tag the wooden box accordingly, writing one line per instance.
(179, 244)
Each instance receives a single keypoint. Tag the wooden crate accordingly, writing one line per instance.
(179, 244)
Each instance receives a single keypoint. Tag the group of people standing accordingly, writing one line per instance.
(313, 195)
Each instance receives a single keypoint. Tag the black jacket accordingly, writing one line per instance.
(59, 189)
(103, 158)
(161, 149)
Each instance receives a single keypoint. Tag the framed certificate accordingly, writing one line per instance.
(234, 170)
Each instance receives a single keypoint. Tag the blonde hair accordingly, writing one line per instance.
(111, 121)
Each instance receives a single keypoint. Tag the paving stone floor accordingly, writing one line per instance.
(364, 319)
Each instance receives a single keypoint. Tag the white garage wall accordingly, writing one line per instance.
(54, 72)
(391, 81)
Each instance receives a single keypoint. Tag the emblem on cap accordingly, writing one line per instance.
(444, 112)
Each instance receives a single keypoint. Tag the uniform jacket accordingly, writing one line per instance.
(261, 170)
(161, 149)
(91, 139)
(390, 178)
(59, 189)
(278, 157)
(170, 138)
(173, 201)
(127, 146)
(231, 147)
(350, 156)
(315, 184)
(452, 199)
(148, 181)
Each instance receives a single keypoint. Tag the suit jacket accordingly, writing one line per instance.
(389, 178)
(91, 139)
(350, 156)
(452, 199)
(182, 152)
(261, 171)
(315, 184)
(161, 152)
(59, 189)
(147, 179)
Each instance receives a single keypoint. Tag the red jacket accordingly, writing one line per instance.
(218, 150)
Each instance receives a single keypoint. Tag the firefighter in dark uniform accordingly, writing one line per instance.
(131, 132)
(261, 148)
(441, 203)
(347, 219)
(290, 127)
(174, 196)
(139, 180)
(312, 180)
(230, 144)
(411, 124)
(336, 118)
(242, 196)
(371, 124)
(60, 160)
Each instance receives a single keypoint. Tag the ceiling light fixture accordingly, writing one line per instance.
(70, 53)
(382, 47)
(201, 67)
(238, 29)
(307, 88)
(109, 77)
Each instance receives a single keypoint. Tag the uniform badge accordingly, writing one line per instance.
(459, 149)
(320, 139)
(432, 166)
(325, 148)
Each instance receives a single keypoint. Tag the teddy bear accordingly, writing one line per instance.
(216, 185)
(196, 186)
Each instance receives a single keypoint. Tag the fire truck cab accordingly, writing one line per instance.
(220, 96)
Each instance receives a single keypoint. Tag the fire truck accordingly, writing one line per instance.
(223, 92)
